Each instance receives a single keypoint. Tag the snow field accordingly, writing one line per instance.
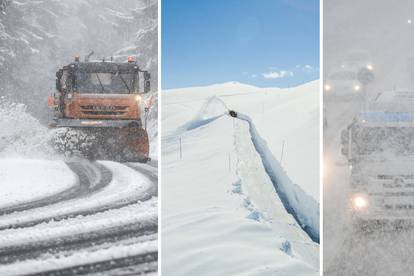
(218, 197)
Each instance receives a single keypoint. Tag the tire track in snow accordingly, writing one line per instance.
(93, 177)
(85, 178)
(79, 241)
(134, 265)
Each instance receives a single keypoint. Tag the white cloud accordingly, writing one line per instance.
(277, 74)
(307, 67)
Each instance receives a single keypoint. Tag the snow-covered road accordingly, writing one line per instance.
(104, 219)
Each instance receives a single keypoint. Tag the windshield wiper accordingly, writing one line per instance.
(103, 90)
(126, 85)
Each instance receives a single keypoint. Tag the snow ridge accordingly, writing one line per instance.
(213, 109)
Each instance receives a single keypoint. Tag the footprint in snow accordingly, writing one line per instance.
(237, 189)
(286, 247)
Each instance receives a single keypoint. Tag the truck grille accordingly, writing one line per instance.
(399, 207)
(390, 176)
(115, 110)
(403, 181)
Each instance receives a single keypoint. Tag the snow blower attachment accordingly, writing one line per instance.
(98, 110)
(233, 113)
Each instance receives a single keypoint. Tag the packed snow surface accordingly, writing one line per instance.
(221, 211)
(128, 187)
(24, 180)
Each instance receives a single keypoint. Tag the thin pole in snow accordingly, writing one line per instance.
(281, 154)
(181, 149)
(146, 118)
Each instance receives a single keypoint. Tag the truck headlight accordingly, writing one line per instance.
(359, 202)
(138, 98)
(327, 87)
(357, 87)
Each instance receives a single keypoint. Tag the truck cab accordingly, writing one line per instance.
(99, 92)
(379, 146)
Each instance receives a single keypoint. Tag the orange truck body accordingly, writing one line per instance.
(117, 116)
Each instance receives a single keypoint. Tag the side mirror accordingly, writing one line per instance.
(58, 85)
(344, 142)
(147, 86)
(147, 75)
(59, 75)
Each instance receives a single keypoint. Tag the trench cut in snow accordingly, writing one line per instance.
(300, 205)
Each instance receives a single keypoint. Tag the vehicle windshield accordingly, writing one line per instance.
(377, 140)
(116, 83)
(343, 75)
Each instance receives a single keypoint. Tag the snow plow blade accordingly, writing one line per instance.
(128, 144)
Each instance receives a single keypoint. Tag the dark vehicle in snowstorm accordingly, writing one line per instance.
(379, 146)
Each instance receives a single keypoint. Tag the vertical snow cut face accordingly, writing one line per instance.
(303, 207)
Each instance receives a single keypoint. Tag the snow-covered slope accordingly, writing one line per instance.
(221, 211)
(290, 115)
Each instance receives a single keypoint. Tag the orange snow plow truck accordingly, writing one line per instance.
(100, 111)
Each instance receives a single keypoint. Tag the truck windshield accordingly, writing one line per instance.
(374, 140)
(115, 83)
(343, 76)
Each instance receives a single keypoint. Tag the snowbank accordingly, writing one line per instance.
(21, 134)
(25, 180)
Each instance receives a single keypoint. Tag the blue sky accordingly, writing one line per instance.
(259, 42)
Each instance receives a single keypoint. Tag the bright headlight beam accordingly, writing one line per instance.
(359, 202)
